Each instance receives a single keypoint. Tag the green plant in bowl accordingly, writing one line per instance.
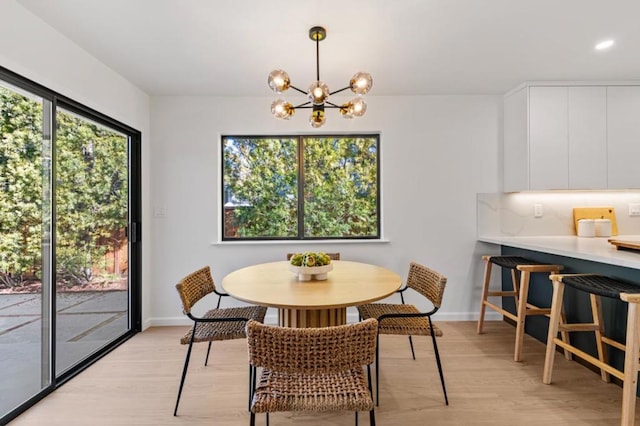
(310, 259)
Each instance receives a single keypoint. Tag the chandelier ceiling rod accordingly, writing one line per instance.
(318, 35)
(318, 92)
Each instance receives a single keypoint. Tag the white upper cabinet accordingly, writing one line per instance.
(548, 138)
(516, 142)
(587, 123)
(623, 133)
(572, 137)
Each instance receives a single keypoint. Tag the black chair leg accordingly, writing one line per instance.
(250, 386)
(252, 421)
(356, 418)
(413, 354)
(377, 370)
(267, 419)
(372, 420)
(206, 360)
(184, 371)
(435, 350)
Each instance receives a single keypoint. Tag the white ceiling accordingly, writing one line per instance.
(228, 47)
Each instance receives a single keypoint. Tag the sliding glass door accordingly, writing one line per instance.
(25, 262)
(69, 239)
(92, 297)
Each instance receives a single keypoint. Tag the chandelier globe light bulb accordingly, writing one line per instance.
(279, 81)
(347, 110)
(317, 118)
(358, 107)
(361, 83)
(318, 93)
(282, 109)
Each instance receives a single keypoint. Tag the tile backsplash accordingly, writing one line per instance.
(512, 214)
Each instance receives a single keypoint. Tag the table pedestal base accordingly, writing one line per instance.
(303, 318)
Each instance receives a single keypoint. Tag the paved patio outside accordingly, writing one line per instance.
(86, 321)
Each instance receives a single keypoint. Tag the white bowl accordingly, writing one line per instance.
(307, 273)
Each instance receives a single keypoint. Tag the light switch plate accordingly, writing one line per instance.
(634, 209)
(537, 210)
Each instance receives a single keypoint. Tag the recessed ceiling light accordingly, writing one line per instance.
(603, 45)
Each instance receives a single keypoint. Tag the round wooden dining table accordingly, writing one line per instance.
(311, 303)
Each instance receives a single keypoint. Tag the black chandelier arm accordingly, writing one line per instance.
(332, 105)
(299, 90)
(339, 90)
(325, 105)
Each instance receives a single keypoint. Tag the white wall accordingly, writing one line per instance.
(437, 153)
(31, 48)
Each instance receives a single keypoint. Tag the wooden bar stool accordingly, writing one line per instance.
(599, 286)
(520, 292)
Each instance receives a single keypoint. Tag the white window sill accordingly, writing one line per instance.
(300, 242)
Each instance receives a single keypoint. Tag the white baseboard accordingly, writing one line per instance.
(167, 321)
(466, 316)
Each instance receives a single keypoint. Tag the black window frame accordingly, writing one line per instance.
(300, 159)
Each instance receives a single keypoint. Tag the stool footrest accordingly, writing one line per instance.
(589, 358)
(534, 310)
(502, 293)
(501, 310)
(587, 326)
(531, 310)
(614, 343)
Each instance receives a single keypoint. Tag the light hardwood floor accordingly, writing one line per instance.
(137, 384)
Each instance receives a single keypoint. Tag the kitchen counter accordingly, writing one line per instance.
(592, 249)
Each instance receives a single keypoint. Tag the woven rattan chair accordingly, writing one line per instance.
(332, 256)
(312, 369)
(215, 324)
(407, 319)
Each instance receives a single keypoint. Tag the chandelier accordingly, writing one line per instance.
(318, 92)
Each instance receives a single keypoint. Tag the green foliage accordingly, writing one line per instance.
(21, 170)
(262, 176)
(340, 186)
(310, 259)
(91, 195)
(91, 191)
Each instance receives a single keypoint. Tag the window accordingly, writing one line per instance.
(301, 187)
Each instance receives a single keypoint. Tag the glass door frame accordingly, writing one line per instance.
(134, 234)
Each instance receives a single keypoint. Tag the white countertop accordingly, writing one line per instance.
(595, 249)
